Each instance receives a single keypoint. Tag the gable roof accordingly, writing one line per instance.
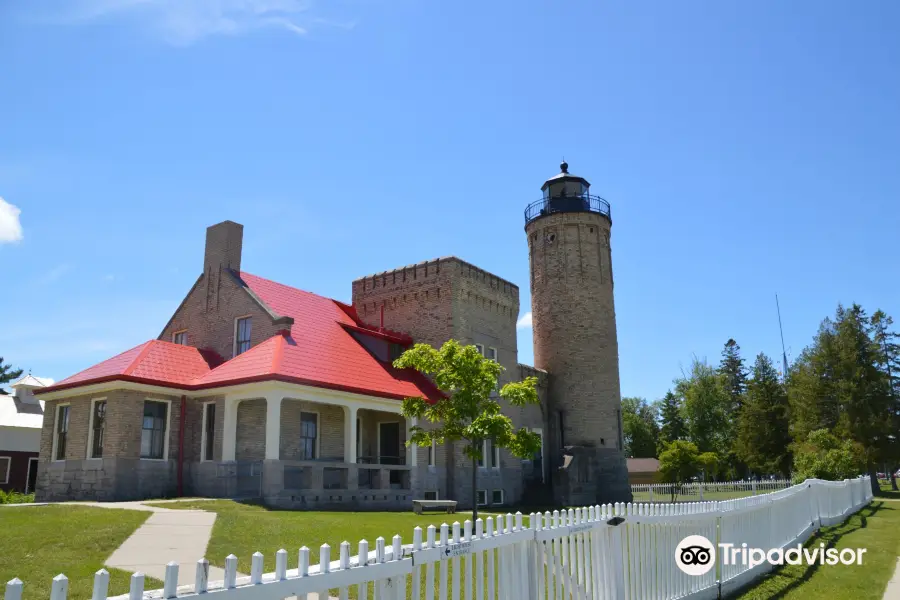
(320, 351)
(30, 381)
(642, 465)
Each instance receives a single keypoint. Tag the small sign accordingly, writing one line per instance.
(579, 528)
(454, 550)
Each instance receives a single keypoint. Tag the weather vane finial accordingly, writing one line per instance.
(564, 166)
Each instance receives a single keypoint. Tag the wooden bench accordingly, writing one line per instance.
(421, 505)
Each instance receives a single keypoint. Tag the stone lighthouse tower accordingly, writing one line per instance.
(574, 325)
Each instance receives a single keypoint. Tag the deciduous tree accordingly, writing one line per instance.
(468, 412)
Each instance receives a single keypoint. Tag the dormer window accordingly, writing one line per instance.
(180, 338)
(242, 335)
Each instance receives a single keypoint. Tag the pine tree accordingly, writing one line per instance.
(640, 428)
(672, 421)
(734, 371)
(764, 426)
(887, 342)
(7, 374)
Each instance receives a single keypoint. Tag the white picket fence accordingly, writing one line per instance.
(701, 492)
(621, 552)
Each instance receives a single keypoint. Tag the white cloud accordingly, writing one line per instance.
(10, 227)
(524, 322)
(182, 22)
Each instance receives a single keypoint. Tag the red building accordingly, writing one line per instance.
(21, 419)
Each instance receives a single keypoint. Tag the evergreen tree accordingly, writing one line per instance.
(672, 421)
(887, 342)
(763, 427)
(734, 371)
(7, 374)
(640, 428)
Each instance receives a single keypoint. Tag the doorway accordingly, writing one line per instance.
(389, 450)
(31, 480)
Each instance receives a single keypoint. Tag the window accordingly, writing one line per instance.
(180, 337)
(432, 450)
(495, 456)
(562, 430)
(480, 348)
(153, 430)
(209, 431)
(431, 495)
(309, 429)
(98, 428)
(62, 431)
(4, 469)
(484, 453)
(497, 497)
(482, 497)
(492, 353)
(242, 335)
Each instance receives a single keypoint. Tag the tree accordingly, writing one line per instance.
(7, 374)
(468, 412)
(706, 409)
(733, 370)
(889, 363)
(839, 385)
(708, 462)
(639, 428)
(678, 463)
(823, 456)
(763, 434)
(673, 427)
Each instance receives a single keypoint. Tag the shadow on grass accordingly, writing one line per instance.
(785, 583)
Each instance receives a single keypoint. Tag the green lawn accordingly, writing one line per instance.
(39, 542)
(242, 529)
(875, 528)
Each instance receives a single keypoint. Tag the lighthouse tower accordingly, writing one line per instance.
(574, 328)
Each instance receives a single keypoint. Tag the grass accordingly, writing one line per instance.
(40, 542)
(874, 528)
(244, 528)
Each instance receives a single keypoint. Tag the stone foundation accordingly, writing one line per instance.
(106, 480)
(588, 476)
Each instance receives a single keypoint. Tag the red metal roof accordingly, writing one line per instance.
(154, 361)
(320, 351)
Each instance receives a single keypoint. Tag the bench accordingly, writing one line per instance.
(421, 505)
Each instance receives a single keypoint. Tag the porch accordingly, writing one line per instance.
(311, 451)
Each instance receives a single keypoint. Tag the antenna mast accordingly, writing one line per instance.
(783, 351)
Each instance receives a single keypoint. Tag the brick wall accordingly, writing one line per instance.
(212, 325)
(250, 443)
(331, 429)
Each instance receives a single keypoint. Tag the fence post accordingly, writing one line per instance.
(701, 491)
(14, 589)
(101, 585)
(618, 550)
(753, 486)
(651, 494)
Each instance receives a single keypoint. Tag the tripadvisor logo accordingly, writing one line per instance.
(696, 555)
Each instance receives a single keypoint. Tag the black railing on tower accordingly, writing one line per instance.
(560, 204)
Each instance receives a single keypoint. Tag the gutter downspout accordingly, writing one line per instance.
(181, 448)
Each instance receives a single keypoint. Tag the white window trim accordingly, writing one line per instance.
(8, 468)
(28, 472)
(495, 454)
(55, 440)
(318, 432)
(378, 441)
(437, 496)
(485, 497)
(167, 431)
(234, 344)
(90, 444)
(175, 333)
(480, 348)
(496, 354)
(203, 457)
(502, 497)
(433, 461)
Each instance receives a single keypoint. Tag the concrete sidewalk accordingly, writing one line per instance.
(893, 587)
(168, 535)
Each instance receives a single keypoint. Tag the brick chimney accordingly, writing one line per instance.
(223, 251)
(223, 247)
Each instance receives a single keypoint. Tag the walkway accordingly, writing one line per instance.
(893, 587)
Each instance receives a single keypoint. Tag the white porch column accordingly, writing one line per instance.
(229, 429)
(412, 455)
(273, 426)
(350, 413)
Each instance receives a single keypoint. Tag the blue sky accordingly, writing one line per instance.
(747, 148)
